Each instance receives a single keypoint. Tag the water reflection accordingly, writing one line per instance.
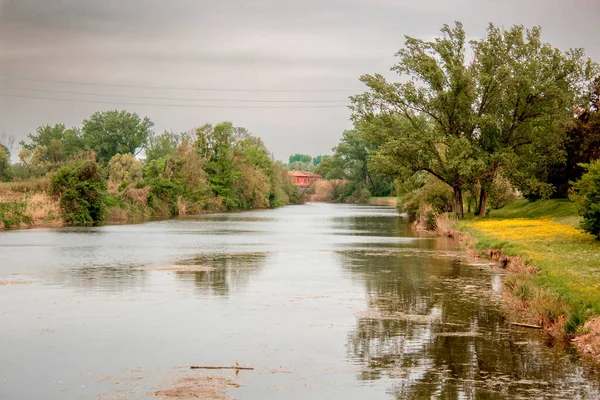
(326, 301)
(229, 272)
(105, 278)
(434, 327)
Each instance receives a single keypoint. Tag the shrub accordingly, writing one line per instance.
(6, 172)
(586, 195)
(254, 187)
(12, 214)
(82, 191)
(418, 195)
(124, 169)
(501, 193)
(163, 196)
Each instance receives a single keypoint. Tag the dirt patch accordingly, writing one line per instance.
(205, 387)
(185, 268)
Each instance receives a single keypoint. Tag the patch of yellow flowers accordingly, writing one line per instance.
(524, 229)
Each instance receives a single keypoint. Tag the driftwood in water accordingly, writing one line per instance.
(526, 325)
(216, 367)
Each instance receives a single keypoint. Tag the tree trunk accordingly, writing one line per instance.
(483, 195)
(458, 202)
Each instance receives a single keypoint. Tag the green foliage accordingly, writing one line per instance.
(331, 168)
(464, 122)
(303, 158)
(318, 159)
(350, 162)
(58, 142)
(6, 173)
(582, 144)
(501, 193)
(575, 322)
(113, 132)
(424, 194)
(124, 168)
(223, 168)
(81, 187)
(161, 146)
(216, 146)
(586, 194)
(163, 196)
(12, 214)
(555, 208)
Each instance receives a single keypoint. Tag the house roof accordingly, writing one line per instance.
(304, 174)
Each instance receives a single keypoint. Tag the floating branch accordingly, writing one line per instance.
(526, 325)
(216, 367)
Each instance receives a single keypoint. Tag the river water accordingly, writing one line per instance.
(323, 301)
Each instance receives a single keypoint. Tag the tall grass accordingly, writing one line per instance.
(26, 203)
(328, 190)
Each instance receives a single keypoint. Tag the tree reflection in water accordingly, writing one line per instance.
(231, 272)
(105, 278)
(435, 328)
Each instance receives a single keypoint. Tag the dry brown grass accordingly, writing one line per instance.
(182, 206)
(113, 187)
(445, 224)
(589, 341)
(140, 196)
(327, 190)
(27, 186)
(41, 209)
(117, 214)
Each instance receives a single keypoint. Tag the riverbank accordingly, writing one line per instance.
(553, 267)
(383, 201)
(27, 204)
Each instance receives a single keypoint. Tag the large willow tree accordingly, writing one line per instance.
(465, 122)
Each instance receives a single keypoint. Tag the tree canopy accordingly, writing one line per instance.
(465, 122)
(115, 132)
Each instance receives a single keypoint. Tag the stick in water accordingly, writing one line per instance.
(526, 325)
(216, 367)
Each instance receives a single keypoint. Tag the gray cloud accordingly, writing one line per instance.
(237, 44)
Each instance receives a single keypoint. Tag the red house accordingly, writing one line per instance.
(304, 178)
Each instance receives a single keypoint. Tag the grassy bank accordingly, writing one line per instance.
(27, 204)
(554, 266)
(383, 201)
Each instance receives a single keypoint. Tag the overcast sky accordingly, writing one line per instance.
(151, 51)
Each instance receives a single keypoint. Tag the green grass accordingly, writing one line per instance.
(568, 260)
(554, 208)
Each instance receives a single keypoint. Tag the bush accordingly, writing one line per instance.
(82, 191)
(422, 195)
(124, 168)
(586, 195)
(12, 214)
(163, 196)
(6, 173)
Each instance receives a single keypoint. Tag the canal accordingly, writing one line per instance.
(323, 301)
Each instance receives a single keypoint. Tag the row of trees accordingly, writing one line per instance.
(304, 162)
(97, 166)
(469, 121)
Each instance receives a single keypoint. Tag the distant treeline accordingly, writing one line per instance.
(116, 166)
